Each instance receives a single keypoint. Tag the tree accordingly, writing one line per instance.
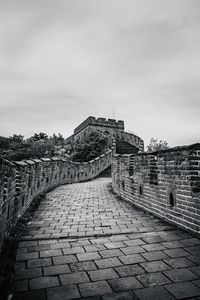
(91, 147)
(156, 145)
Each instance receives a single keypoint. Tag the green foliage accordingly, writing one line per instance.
(91, 147)
(156, 145)
(37, 146)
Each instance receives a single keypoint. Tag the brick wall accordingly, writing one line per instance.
(21, 182)
(165, 183)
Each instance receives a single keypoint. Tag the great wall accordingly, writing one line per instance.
(165, 183)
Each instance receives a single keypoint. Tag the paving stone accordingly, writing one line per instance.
(60, 245)
(124, 284)
(54, 270)
(174, 244)
(40, 262)
(83, 266)
(27, 244)
(119, 296)
(114, 245)
(155, 255)
(30, 295)
(183, 290)
(92, 248)
(28, 273)
(194, 250)
(50, 253)
(108, 263)
(176, 252)
(26, 256)
(95, 288)
(79, 277)
(154, 293)
(37, 248)
(132, 250)
(194, 258)
(153, 239)
(110, 253)
(60, 260)
(20, 285)
(180, 275)
(131, 259)
(195, 270)
(129, 270)
(88, 256)
(155, 266)
(136, 242)
(179, 262)
(153, 247)
(73, 250)
(43, 282)
(152, 279)
(118, 238)
(102, 274)
(197, 282)
(63, 293)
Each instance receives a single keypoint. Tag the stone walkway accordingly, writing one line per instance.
(84, 243)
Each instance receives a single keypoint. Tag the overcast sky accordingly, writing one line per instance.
(63, 60)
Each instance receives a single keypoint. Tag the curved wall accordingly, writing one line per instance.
(21, 182)
(165, 183)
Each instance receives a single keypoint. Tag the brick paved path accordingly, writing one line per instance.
(84, 243)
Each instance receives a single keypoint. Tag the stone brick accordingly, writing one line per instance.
(119, 296)
(179, 262)
(95, 288)
(79, 277)
(153, 293)
(20, 285)
(196, 270)
(40, 262)
(176, 253)
(132, 250)
(63, 293)
(153, 279)
(28, 273)
(155, 266)
(102, 274)
(43, 282)
(125, 283)
(83, 266)
(136, 242)
(54, 270)
(73, 250)
(88, 256)
(155, 255)
(180, 275)
(183, 290)
(108, 263)
(50, 253)
(27, 244)
(27, 256)
(131, 259)
(114, 245)
(61, 260)
(129, 270)
(92, 248)
(174, 244)
(30, 295)
(153, 247)
(110, 253)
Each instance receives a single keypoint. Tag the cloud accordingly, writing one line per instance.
(62, 61)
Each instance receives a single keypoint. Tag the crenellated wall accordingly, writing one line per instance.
(165, 183)
(21, 182)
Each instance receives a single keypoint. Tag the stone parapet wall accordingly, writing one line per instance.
(130, 138)
(165, 183)
(101, 122)
(21, 182)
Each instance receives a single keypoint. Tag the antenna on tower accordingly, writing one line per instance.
(113, 113)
